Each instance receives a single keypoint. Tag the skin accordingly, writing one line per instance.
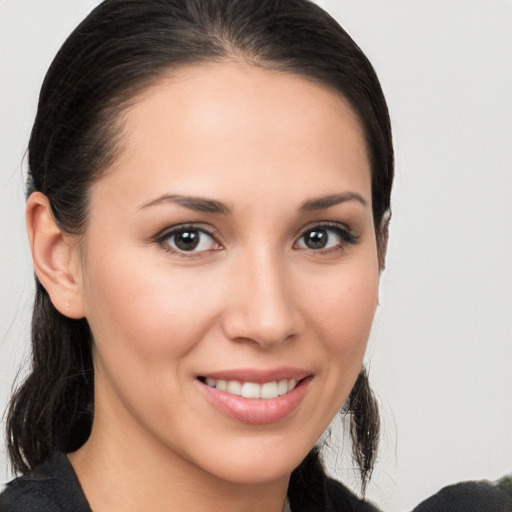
(263, 143)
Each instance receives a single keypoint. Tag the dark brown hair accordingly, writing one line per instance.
(119, 50)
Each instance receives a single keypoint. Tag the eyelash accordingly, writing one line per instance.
(344, 235)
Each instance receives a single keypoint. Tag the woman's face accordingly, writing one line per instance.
(230, 249)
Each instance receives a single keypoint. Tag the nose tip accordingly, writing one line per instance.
(262, 309)
(267, 331)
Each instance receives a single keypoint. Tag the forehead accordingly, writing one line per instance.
(207, 129)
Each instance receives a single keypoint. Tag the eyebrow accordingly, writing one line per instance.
(198, 204)
(322, 203)
(201, 204)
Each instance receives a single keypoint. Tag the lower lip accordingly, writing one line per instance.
(256, 411)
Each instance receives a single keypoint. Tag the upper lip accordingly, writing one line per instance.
(256, 375)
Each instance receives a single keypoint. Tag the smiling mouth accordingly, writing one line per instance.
(265, 390)
(255, 396)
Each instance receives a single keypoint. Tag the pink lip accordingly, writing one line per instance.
(257, 411)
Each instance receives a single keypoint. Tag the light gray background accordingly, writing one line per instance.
(441, 348)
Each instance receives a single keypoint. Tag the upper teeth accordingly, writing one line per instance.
(252, 389)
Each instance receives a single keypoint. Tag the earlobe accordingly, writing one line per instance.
(55, 256)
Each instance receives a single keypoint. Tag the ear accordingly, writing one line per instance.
(383, 239)
(55, 256)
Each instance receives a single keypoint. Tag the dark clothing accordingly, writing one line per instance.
(54, 487)
(479, 496)
(342, 500)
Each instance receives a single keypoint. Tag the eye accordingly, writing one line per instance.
(188, 239)
(325, 237)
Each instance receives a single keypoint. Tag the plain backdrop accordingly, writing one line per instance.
(440, 355)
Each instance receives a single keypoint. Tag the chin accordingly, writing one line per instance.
(263, 467)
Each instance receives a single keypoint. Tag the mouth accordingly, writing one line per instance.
(256, 397)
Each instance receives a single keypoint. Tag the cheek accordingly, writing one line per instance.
(342, 310)
(343, 306)
(132, 306)
(144, 323)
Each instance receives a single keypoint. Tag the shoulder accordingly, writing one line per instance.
(342, 499)
(52, 487)
(477, 496)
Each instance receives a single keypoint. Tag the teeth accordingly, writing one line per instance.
(282, 387)
(249, 390)
(271, 389)
(234, 387)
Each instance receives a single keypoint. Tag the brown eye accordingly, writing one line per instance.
(189, 240)
(316, 238)
(325, 237)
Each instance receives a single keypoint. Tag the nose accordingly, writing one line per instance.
(262, 307)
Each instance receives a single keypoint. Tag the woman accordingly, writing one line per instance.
(210, 191)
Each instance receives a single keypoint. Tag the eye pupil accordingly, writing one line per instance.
(186, 240)
(316, 238)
